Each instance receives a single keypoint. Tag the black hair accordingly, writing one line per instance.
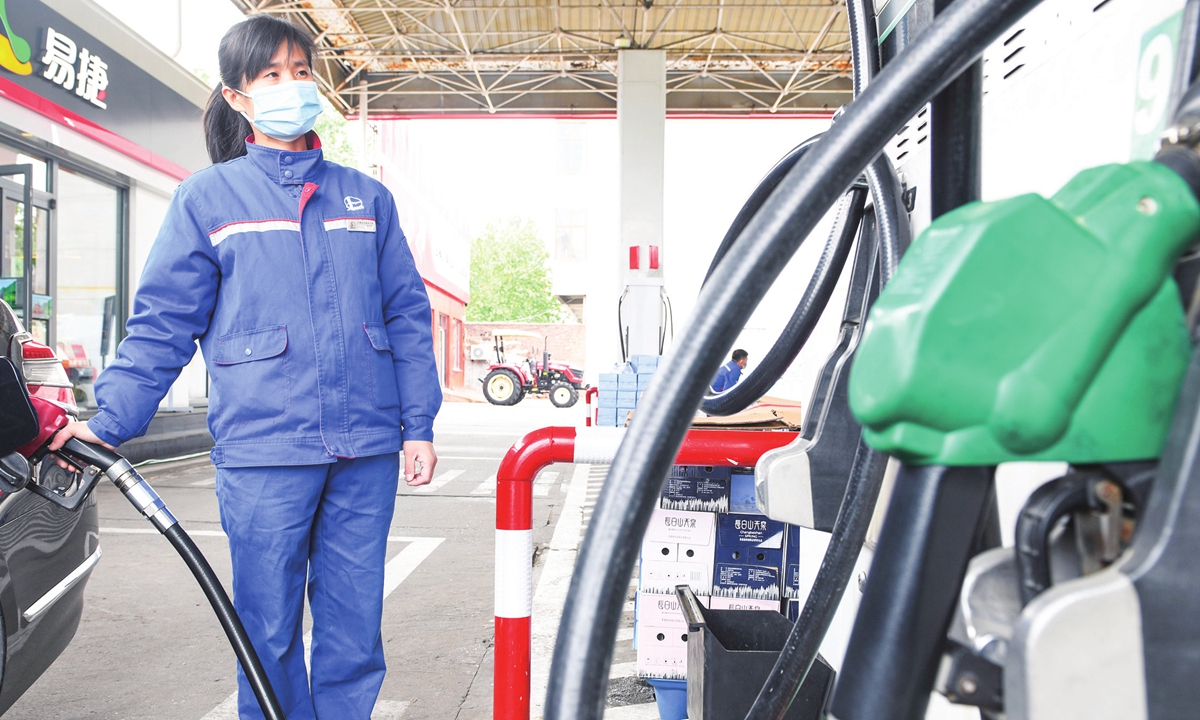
(246, 50)
(739, 355)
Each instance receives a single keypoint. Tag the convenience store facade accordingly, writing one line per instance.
(104, 126)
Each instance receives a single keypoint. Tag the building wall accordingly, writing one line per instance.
(439, 244)
(447, 312)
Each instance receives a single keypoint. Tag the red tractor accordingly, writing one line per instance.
(507, 383)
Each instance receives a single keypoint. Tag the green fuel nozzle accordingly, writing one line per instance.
(1034, 328)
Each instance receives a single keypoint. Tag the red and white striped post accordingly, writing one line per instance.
(587, 398)
(514, 528)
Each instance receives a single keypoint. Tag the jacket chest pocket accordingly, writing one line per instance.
(253, 371)
(381, 369)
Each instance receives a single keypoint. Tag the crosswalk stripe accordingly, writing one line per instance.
(544, 482)
(487, 487)
(438, 481)
(394, 572)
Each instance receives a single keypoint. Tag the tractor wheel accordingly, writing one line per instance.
(563, 395)
(501, 387)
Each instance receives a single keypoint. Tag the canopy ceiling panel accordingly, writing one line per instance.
(559, 57)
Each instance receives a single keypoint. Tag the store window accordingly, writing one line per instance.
(13, 216)
(572, 148)
(88, 238)
(12, 156)
(16, 261)
(456, 336)
(570, 234)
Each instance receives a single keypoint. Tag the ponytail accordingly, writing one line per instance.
(245, 51)
(225, 130)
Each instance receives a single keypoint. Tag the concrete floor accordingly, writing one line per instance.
(149, 646)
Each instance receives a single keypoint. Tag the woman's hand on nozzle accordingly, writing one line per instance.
(74, 429)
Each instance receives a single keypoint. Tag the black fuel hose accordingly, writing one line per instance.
(849, 533)
(804, 320)
(584, 646)
(761, 192)
(895, 234)
(866, 477)
(138, 491)
(228, 617)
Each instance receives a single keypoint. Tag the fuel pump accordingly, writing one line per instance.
(940, 54)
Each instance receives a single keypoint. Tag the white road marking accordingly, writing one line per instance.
(552, 586)
(389, 710)
(487, 487)
(544, 482)
(220, 534)
(438, 481)
(211, 482)
(384, 710)
(394, 573)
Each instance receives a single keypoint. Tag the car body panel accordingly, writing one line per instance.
(41, 545)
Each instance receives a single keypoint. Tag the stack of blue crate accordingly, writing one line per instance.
(620, 392)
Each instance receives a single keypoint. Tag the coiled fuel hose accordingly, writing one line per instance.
(143, 497)
(583, 649)
(894, 237)
(849, 530)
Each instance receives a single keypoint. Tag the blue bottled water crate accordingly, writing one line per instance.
(643, 380)
(607, 417)
(627, 398)
(644, 363)
(671, 696)
(606, 399)
(608, 381)
(627, 381)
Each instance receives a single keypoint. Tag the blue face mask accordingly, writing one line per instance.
(285, 111)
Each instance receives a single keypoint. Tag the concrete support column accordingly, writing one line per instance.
(641, 124)
(364, 159)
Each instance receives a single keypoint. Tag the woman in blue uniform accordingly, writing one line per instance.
(293, 275)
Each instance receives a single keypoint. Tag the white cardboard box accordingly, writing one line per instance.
(653, 550)
(662, 652)
(662, 576)
(662, 610)
(681, 526)
(697, 553)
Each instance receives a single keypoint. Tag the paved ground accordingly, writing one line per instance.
(149, 647)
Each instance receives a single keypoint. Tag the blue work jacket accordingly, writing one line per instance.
(727, 376)
(294, 275)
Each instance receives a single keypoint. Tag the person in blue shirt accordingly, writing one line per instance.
(293, 275)
(730, 372)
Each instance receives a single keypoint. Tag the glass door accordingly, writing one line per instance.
(17, 270)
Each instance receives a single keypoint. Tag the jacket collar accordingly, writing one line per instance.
(287, 167)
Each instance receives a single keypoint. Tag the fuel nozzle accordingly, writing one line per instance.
(125, 476)
(52, 418)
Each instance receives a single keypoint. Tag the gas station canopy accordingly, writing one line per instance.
(559, 57)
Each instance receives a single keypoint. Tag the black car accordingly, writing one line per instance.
(47, 552)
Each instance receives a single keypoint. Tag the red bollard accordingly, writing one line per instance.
(514, 529)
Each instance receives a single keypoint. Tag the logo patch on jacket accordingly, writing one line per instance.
(353, 203)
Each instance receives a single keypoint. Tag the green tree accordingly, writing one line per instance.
(510, 276)
(332, 128)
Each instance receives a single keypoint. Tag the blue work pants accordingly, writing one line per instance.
(325, 526)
